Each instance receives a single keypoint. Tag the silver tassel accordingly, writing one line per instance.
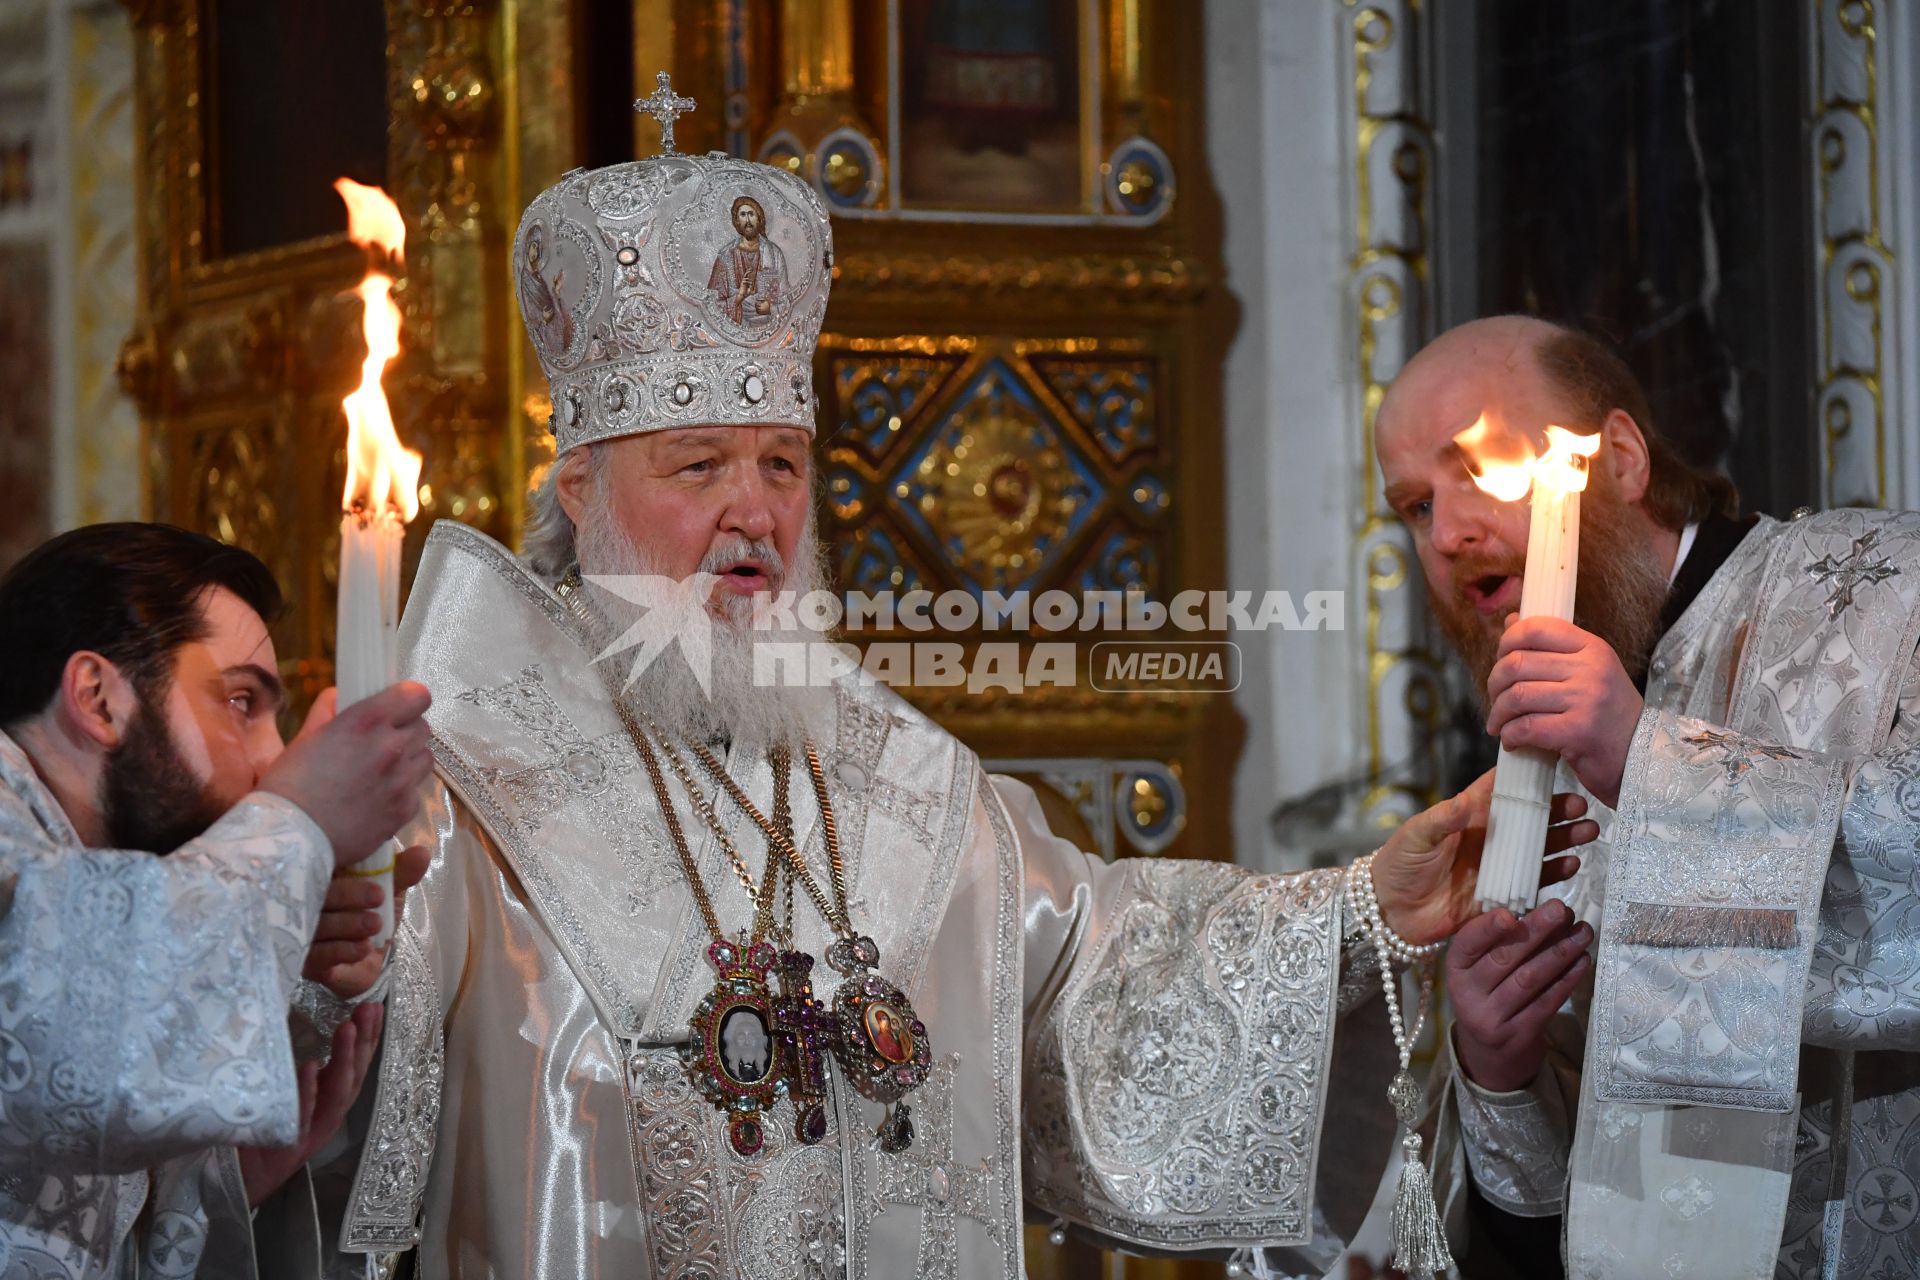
(1419, 1246)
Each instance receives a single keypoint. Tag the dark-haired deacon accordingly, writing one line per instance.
(1745, 694)
(148, 1088)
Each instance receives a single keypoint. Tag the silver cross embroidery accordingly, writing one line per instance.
(1685, 1050)
(665, 106)
(926, 1176)
(68, 1211)
(1737, 756)
(1888, 1201)
(1810, 675)
(176, 1243)
(1846, 573)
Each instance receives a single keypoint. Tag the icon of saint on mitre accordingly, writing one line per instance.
(557, 283)
(548, 319)
(750, 275)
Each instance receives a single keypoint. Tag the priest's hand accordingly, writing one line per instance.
(1507, 977)
(342, 956)
(326, 1094)
(1559, 688)
(358, 774)
(1426, 872)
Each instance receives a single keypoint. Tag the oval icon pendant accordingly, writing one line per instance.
(881, 1043)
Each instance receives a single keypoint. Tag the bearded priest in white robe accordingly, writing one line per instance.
(1141, 1050)
(1746, 693)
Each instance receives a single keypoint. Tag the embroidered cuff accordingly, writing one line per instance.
(318, 1013)
(318, 862)
(1517, 1144)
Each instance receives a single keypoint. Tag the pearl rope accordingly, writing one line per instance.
(1361, 890)
(1419, 1240)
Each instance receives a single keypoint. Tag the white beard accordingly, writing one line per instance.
(733, 707)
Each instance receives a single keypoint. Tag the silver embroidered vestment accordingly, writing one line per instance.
(1747, 1102)
(1140, 1048)
(143, 1033)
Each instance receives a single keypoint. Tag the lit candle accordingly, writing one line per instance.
(382, 494)
(1523, 778)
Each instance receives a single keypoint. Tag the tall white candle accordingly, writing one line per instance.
(366, 658)
(382, 494)
(1523, 778)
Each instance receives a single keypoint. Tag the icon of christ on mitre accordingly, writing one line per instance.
(749, 276)
(641, 877)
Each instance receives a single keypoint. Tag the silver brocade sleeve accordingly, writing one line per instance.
(144, 999)
(1181, 1021)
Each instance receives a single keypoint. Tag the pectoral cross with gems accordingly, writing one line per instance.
(803, 1025)
(665, 106)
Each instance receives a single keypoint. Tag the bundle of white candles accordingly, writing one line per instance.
(382, 494)
(1523, 778)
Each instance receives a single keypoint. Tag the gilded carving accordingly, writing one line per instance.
(267, 336)
(1035, 464)
(1123, 281)
(225, 354)
(234, 497)
(997, 487)
(138, 369)
(880, 396)
(1114, 400)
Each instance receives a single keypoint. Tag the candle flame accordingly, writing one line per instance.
(382, 474)
(373, 218)
(1501, 462)
(1504, 464)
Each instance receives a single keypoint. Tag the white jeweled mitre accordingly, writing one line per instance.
(674, 291)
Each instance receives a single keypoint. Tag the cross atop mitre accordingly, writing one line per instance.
(665, 106)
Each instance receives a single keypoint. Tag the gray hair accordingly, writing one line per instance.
(548, 542)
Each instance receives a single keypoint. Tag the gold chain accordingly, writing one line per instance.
(842, 920)
(783, 817)
(778, 841)
(760, 895)
(836, 865)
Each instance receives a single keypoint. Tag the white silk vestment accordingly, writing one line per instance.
(1142, 1048)
(143, 1035)
(1749, 1103)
